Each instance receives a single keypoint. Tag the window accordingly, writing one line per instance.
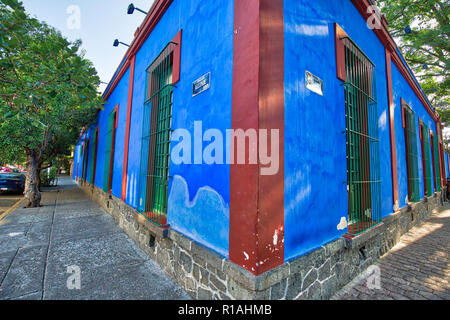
(93, 156)
(363, 160)
(425, 137)
(109, 150)
(435, 155)
(85, 160)
(155, 148)
(412, 158)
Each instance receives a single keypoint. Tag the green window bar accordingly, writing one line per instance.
(412, 157)
(363, 159)
(93, 157)
(155, 147)
(437, 171)
(109, 151)
(85, 159)
(427, 161)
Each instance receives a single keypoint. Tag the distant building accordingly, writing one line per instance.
(358, 143)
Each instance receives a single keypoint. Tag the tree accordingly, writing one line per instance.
(48, 91)
(423, 30)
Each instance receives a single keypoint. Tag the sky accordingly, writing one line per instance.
(97, 23)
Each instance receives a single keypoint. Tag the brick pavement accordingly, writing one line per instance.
(417, 268)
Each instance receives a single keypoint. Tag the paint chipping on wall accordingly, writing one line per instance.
(342, 224)
(246, 255)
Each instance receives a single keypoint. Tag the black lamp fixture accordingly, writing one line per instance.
(408, 29)
(117, 42)
(131, 9)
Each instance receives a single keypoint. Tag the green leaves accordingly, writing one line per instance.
(47, 90)
(428, 43)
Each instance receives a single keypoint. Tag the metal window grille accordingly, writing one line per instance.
(109, 151)
(437, 171)
(426, 155)
(93, 156)
(363, 160)
(85, 160)
(412, 158)
(156, 129)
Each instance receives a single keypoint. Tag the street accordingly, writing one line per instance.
(417, 268)
(7, 200)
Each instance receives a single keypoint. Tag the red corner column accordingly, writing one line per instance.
(392, 131)
(127, 130)
(257, 201)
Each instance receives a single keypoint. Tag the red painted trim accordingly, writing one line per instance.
(154, 15)
(391, 110)
(244, 178)
(440, 153)
(257, 201)
(422, 148)
(127, 129)
(403, 106)
(176, 70)
(433, 158)
(340, 52)
(271, 117)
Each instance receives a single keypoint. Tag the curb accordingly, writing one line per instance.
(11, 209)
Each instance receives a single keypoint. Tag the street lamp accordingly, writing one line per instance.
(131, 9)
(407, 30)
(117, 42)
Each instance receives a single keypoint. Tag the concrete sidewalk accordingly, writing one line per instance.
(417, 268)
(38, 245)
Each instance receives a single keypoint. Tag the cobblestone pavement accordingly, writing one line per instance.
(417, 268)
(41, 249)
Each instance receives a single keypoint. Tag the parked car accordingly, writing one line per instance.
(12, 182)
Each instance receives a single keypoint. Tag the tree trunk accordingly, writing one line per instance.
(38, 174)
(32, 194)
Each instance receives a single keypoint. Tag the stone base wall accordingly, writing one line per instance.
(319, 274)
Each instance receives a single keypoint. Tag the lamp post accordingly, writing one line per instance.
(117, 42)
(407, 30)
(131, 9)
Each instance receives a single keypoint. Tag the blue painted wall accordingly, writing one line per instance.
(76, 158)
(315, 142)
(401, 90)
(207, 46)
(198, 204)
(315, 146)
(446, 164)
(118, 97)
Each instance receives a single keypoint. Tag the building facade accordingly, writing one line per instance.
(264, 149)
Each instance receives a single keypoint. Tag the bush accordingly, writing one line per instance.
(49, 177)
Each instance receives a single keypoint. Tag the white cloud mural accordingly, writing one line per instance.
(205, 219)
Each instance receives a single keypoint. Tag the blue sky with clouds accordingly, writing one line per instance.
(101, 21)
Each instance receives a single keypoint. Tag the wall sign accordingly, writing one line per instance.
(314, 83)
(201, 84)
